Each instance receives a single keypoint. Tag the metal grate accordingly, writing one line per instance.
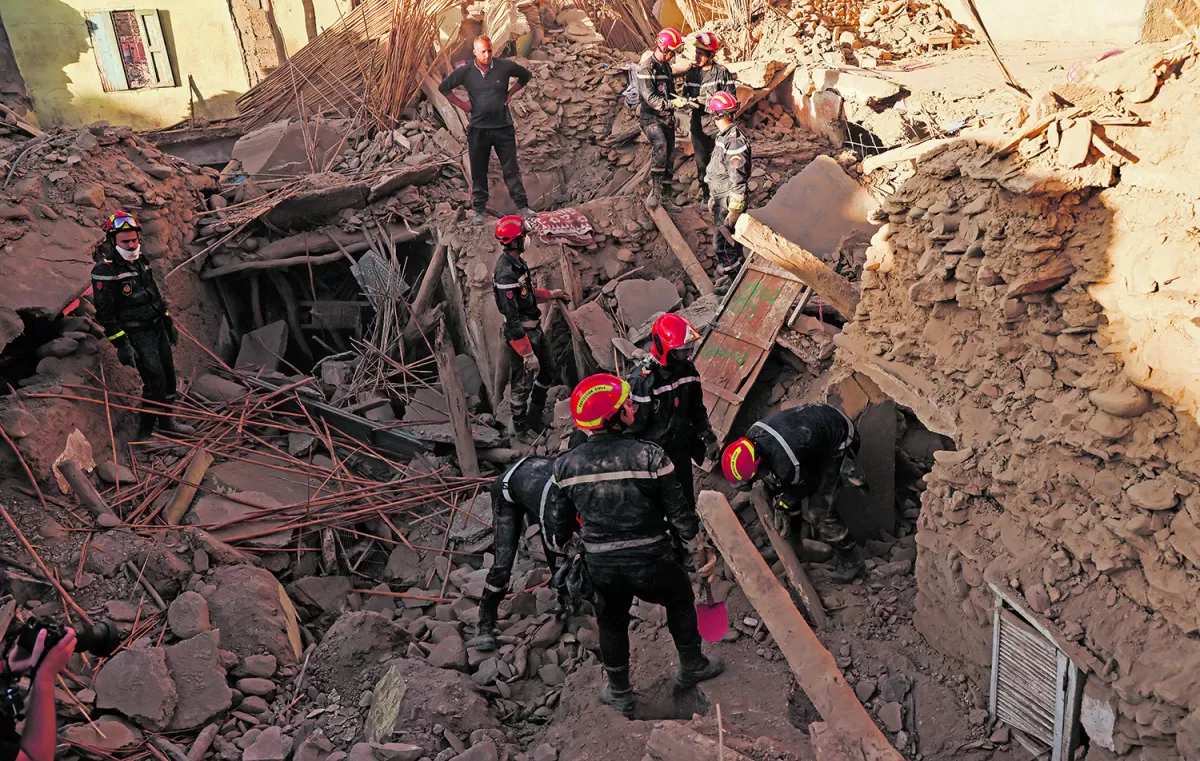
(1035, 687)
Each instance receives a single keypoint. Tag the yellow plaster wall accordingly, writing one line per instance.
(290, 17)
(51, 45)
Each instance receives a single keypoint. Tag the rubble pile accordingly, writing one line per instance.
(1014, 302)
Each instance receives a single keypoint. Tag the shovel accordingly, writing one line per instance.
(711, 617)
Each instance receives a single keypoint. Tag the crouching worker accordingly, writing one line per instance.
(803, 457)
(518, 494)
(626, 497)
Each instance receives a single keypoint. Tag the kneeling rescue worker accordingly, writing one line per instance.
(518, 493)
(530, 368)
(625, 495)
(134, 316)
(670, 402)
(803, 456)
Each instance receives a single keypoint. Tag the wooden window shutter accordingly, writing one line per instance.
(108, 55)
(156, 49)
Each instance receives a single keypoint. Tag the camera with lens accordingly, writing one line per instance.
(100, 639)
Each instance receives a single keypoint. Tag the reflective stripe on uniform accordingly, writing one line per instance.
(122, 276)
(542, 509)
(514, 286)
(676, 384)
(116, 335)
(640, 399)
(617, 475)
(509, 474)
(729, 150)
(786, 449)
(625, 544)
(492, 587)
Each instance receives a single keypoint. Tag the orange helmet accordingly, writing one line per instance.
(670, 39)
(739, 463)
(509, 228)
(597, 399)
(722, 102)
(706, 41)
(671, 332)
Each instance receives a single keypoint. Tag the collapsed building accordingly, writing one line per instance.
(990, 280)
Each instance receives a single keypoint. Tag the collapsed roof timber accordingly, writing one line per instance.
(968, 232)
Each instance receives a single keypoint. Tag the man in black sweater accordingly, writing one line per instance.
(486, 80)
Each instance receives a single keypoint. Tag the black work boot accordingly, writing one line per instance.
(168, 424)
(692, 672)
(664, 195)
(849, 564)
(655, 197)
(147, 421)
(617, 691)
(485, 639)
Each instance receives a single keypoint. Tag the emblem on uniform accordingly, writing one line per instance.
(736, 161)
(128, 289)
(524, 292)
(510, 294)
(677, 402)
(99, 286)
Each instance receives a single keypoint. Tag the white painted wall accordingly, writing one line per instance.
(1115, 21)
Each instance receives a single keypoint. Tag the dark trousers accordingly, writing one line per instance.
(528, 391)
(155, 364)
(662, 148)
(681, 458)
(703, 146)
(818, 498)
(728, 252)
(507, 524)
(480, 142)
(618, 577)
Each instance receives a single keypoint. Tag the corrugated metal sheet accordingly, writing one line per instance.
(737, 345)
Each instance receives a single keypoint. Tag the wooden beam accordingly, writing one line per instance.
(82, 486)
(456, 402)
(813, 665)
(186, 490)
(448, 112)
(670, 741)
(574, 291)
(429, 288)
(813, 272)
(683, 252)
(791, 564)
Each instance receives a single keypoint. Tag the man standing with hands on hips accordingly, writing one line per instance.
(486, 80)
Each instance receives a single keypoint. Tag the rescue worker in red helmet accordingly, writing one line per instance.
(626, 496)
(703, 80)
(670, 403)
(530, 369)
(131, 309)
(656, 113)
(803, 456)
(728, 180)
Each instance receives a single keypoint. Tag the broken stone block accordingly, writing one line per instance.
(321, 593)
(259, 665)
(403, 565)
(484, 751)
(110, 549)
(1153, 494)
(214, 509)
(17, 423)
(350, 650)
(472, 521)
(263, 348)
(398, 752)
(188, 615)
(413, 696)
(109, 473)
(639, 300)
(271, 745)
(59, 347)
(598, 332)
(109, 734)
(137, 684)
(199, 680)
(891, 716)
(214, 388)
(247, 607)
(1045, 278)
(253, 685)
(893, 688)
(450, 653)
(1126, 401)
(89, 194)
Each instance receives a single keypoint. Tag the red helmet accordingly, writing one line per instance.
(722, 102)
(738, 463)
(120, 222)
(671, 332)
(670, 39)
(706, 41)
(510, 228)
(597, 399)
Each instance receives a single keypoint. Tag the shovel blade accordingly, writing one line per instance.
(713, 621)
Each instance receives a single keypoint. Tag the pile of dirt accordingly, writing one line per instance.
(1015, 302)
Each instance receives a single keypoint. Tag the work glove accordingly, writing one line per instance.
(560, 295)
(712, 449)
(126, 354)
(678, 102)
(782, 503)
(712, 204)
(731, 218)
(704, 559)
(172, 332)
(532, 366)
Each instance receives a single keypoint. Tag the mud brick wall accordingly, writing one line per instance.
(1013, 311)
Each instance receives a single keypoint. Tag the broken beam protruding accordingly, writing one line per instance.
(829, 285)
(87, 494)
(429, 288)
(456, 403)
(187, 488)
(683, 252)
(791, 564)
(813, 665)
